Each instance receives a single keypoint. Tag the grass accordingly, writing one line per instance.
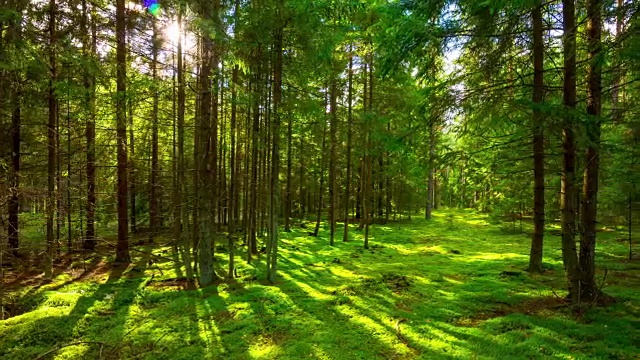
(451, 288)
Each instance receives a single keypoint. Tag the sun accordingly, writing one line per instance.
(172, 32)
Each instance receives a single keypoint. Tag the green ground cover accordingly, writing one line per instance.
(451, 288)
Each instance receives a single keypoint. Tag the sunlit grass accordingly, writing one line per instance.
(425, 289)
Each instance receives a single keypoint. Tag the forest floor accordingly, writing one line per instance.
(451, 288)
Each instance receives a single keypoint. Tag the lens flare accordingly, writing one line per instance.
(153, 6)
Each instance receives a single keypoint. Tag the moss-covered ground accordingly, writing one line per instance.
(454, 287)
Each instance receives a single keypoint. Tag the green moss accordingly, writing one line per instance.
(409, 296)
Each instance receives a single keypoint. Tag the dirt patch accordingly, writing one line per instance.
(396, 282)
(180, 283)
(537, 306)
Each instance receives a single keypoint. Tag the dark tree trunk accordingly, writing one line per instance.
(569, 255)
(14, 34)
(535, 258)
(347, 188)
(430, 185)
(122, 249)
(323, 165)
(588, 288)
(333, 190)
(155, 164)
(90, 130)
(272, 252)
(51, 140)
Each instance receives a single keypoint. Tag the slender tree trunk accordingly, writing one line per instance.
(430, 180)
(52, 146)
(181, 223)
(233, 187)
(347, 188)
(287, 202)
(333, 190)
(90, 131)
(535, 258)
(14, 34)
(252, 246)
(155, 164)
(323, 165)
(569, 255)
(132, 169)
(272, 253)
(588, 288)
(122, 250)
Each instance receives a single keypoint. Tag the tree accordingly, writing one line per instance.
(535, 258)
(588, 289)
(51, 137)
(122, 249)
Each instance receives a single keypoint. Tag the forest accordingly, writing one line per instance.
(330, 179)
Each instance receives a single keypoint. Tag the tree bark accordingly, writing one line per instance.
(14, 34)
(535, 257)
(333, 128)
(569, 255)
(122, 248)
(588, 288)
(347, 188)
(155, 164)
(272, 252)
(51, 139)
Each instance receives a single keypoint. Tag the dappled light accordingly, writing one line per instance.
(401, 299)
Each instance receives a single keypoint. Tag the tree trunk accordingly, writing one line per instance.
(51, 140)
(272, 252)
(122, 249)
(205, 157)
(535, 257)
(333, 128)
(569, 255)
(588, 288)
(14, 200)
(90, 131)
(155, 165)
(14, 34)
(347, 188)
(323, 165)
(430, 185)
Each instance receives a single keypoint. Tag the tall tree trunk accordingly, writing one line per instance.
(535, 257)
(272, 251)
(347, 188)
(588, 289)
(51, 137)
(155, 165)
(181, 223)
(303, 192)
(205, 157)
(287, 202)
(333, 128)
(132, 169)
(569, 255)
(323, 162)
(233, 188)
(122, 248)
(90, 130)
(14, 34)
(430, 180)
(252, 246)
